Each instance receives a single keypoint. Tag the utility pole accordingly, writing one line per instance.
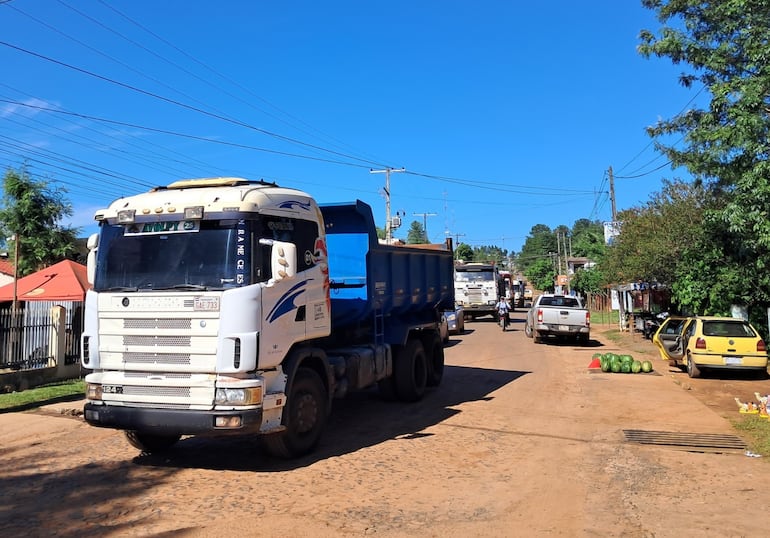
(425, 223)
(612, 197)
(15, 304)
(388, 228)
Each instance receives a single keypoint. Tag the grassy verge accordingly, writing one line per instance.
(60, 391)
(757, 430)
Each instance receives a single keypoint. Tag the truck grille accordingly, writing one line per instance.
(136, 340)
(474, 296)
(157, 358)
(170, 323)
(167, 375)
(164, 392)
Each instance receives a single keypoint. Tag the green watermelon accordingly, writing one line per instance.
(626, 358)
(625, 367)
(615, 366)
(604, 364)
(646, 366)
(636, 367)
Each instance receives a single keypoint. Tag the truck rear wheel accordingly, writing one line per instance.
(410, 372)
(149, 443)
(304, 417)
(434, 350)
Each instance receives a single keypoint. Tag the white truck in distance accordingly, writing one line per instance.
(558, 316)
(478, 287)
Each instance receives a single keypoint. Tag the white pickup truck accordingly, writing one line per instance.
(559, 316)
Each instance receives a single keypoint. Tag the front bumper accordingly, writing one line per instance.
(169, 421)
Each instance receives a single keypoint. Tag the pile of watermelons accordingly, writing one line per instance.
(626, 364)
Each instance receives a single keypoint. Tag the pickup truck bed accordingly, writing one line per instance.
(558, 316)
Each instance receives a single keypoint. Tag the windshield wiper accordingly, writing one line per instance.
(121, 288)
(194, 287)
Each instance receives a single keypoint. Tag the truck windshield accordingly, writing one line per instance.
(474, 276)
(214, 255)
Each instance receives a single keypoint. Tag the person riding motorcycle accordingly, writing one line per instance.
(502, 311)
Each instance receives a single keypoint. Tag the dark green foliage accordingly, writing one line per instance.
(541, 275)
(416, 234)
(723, 47)
(32, 210)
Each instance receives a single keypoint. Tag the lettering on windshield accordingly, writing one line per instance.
(240, 253)
(165, 227)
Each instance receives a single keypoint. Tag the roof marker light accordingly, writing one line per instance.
(194, 212)
(126, 216)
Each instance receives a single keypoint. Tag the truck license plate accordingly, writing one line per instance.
(564, 328)
(733, 361)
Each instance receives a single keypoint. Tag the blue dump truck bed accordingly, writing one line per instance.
(407, 285)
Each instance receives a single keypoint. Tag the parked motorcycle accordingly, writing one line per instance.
(652, 324)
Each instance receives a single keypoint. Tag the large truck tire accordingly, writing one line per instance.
(410, 372)
(149, 443)
(304, 417)
(434, 351)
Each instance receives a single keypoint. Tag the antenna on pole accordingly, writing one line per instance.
(388, 226)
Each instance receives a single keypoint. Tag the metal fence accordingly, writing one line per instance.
(25, 335)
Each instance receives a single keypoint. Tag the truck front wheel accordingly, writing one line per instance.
(410, 372)
(149, 443)
(304, 417)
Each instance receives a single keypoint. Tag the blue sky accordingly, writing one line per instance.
(505, 114)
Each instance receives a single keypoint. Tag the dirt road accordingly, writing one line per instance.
(520, 440)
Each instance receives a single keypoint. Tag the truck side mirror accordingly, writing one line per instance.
(283, 259)
(93, 247)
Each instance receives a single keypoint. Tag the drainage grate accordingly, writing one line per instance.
(693, 442)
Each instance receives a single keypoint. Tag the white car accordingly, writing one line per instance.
(455, 320)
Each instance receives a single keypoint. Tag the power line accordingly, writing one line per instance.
(183, 105)
(182, 135)
(646, 173)
(205, 80)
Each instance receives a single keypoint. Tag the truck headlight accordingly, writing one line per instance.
(232, 396)
(93, 391)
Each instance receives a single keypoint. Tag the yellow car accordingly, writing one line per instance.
(711, 343)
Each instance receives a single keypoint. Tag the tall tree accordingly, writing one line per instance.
(654, 236)
(540, 243)
(416, 234)
(587, 239)
(464, 252)
(31, 214)
(542, 275)
(725, 46)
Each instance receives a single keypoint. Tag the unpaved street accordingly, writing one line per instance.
(520, 440)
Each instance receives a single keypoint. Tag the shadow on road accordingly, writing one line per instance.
(360, 420)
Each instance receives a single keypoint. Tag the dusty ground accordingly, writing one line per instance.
(520, 440)
(716, 391)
